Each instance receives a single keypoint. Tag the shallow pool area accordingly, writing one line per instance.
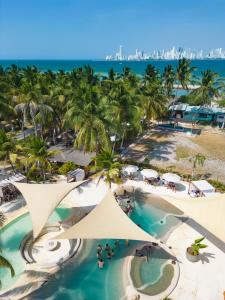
(152, 219)
(154, 276)
(81, 279)
(11, 237)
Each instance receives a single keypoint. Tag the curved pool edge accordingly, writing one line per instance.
(129, 287)
(23, 287)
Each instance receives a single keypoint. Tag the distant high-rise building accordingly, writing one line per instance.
(170, 54)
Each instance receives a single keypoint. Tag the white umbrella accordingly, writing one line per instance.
(130, 169)
(171, 177)
(149, 173)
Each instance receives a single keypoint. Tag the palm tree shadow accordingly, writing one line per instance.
(20, 290)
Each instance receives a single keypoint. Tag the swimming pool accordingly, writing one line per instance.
(82, 280)
(180, 129)
(10, 238)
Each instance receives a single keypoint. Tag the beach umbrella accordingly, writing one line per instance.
(129, 169)
(171, 177)
(149, 173)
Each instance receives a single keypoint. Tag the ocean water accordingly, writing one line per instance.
(101, 66)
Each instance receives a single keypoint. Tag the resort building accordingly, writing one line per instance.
(201, 114)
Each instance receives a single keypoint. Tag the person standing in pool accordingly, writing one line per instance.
(100, 263)
(117, 243)
(99, 248)
(107, 248)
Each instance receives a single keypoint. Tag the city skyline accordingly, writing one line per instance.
(167, 54)
(55, 29)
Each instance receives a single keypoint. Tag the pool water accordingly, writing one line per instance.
(83, 280)
(153, 220)
(10, 239)
(150, 271)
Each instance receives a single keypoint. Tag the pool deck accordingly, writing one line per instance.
(198, 281)
(203, 280)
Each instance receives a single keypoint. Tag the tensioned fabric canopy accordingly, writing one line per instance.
(106, 221)
(209, 212)
(42, 199)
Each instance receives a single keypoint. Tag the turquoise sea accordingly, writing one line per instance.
(101, 66)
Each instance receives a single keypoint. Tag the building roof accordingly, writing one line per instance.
(42, 199)
(106, 221)
(79, 157)
(197, 109)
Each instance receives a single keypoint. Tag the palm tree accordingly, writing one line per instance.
(184, 72)
(208, 88)
(30, 104)
(111, 74)
(122, 110)
(2, 219)
(4, 263)
(197, 160)
(153, 100)
(151, 73)
(107, 164)
(169, 79)
(86, 115)
(5, 107)
(7, 147)
(37, 155)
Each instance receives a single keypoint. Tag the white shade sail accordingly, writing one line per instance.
(171, 177)
(129, 169)
(42, 199)
(209, 212)
(149, 173)
(106, 221)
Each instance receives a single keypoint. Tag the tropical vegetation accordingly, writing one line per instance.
(4, 263)
(36, 107)
(196, 246)
(107, 166)
(197, 160)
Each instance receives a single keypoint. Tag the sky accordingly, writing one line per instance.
(91, 29)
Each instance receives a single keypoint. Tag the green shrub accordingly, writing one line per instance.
(66, 167)
(219, 186)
